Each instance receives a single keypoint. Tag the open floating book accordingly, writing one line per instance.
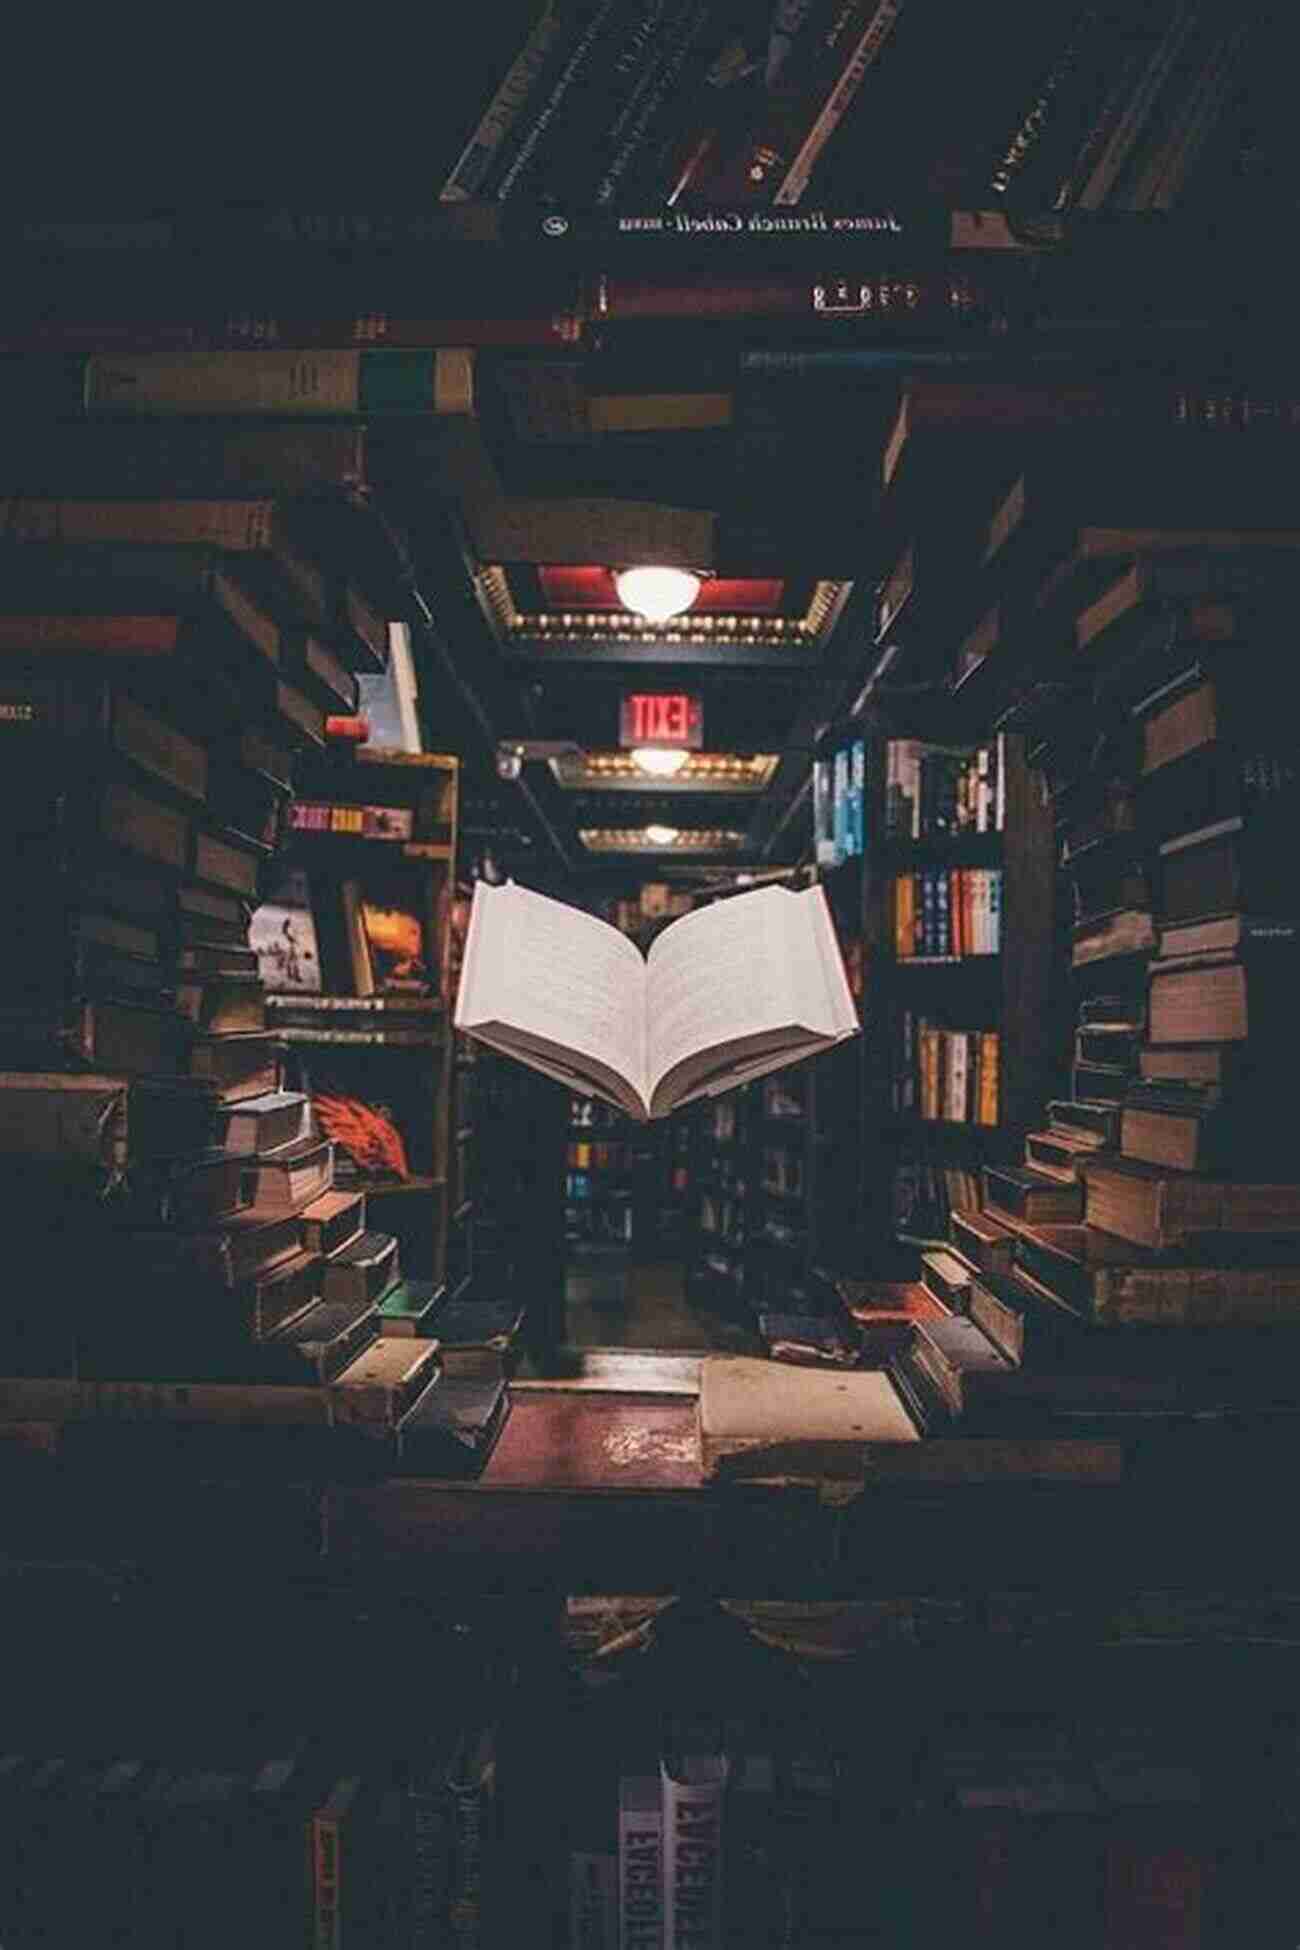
(747, 985)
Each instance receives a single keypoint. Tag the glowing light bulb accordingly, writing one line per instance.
(659, 761)
(657, 593)
(661, 835)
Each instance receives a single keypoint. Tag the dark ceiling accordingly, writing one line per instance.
(341, 112)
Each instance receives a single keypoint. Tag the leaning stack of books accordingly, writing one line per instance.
(1160, 1195)
(183, 607)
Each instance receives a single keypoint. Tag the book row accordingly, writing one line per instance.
(946, 913)
(934, 791)
(943, 1073)
(839, 804)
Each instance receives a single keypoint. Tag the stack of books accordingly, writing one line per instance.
(1158, 1196)
(184, 607)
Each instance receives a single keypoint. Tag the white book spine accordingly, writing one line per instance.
(640, 1864)
(692, 1817)
(1000, 805)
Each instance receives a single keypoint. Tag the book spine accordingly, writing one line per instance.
(166, 459)
(469, 175)
(327, 1838)
(659, 85)
(558, 108)
(258, 332)
(692, 1819)
(106, 636)
(278, 384)
(234, 525)
(865, 53)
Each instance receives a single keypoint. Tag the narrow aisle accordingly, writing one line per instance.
(645, 1308)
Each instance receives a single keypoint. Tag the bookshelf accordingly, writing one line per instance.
(371, 845)
(598, 1174)
(922, 1131)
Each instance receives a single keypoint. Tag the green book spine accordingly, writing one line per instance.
(280, 384)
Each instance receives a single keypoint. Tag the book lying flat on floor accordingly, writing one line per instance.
(725, 994)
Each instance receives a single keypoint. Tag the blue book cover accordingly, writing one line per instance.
(995, 910)
(858, 794)
(929, 912)
(841, 805)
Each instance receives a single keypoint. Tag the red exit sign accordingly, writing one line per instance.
(661, 718)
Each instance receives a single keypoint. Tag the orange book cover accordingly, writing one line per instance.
(988, 1109)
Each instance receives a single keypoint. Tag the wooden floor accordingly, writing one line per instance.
(613, 1300)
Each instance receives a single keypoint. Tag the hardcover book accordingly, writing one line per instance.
(332, 1220)
(261, 1125)
(104, 1121)
(809, 1340)
(1025, 1194)
(273, 1298)
(364, 1269)
(474, 1336)
(238, 1065)
(188, 1192)
(129, 1037)
(726, 994)
(981, 1240)
(293, 1176)
(413, 1308)
(1152, 1205)
(947, 1276)
(247, 1244)
(221, 1004)
(759, 1418)
(319, 1344)
(693, 1799)
(1225, 998)
(378, 1388)
(640, 1863)
(454, 1427)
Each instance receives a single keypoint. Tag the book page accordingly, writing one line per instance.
(762, 971)
(745, 967)
(553, 973)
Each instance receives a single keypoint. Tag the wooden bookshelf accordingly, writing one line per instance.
(1007, 991)
(413, 1075)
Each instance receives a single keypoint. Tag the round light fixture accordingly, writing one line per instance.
(656, 593)
(661, 835)
(660, 761)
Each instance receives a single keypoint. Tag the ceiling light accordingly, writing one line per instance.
(657, 593)
(661, 835)
(661, 761)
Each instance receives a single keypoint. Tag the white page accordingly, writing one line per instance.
(720, 973)
(553, 971)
